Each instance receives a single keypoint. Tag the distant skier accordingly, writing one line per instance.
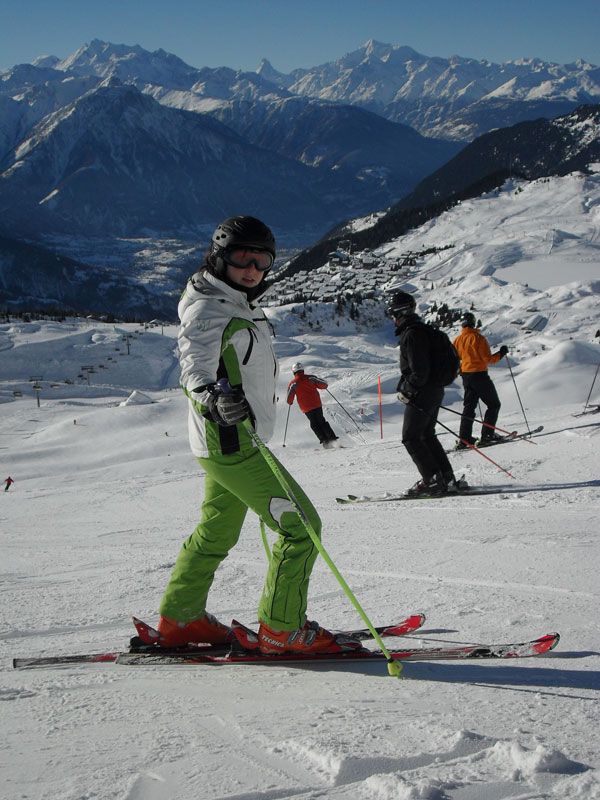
(7, 483)
(305, 388)
(475, 355)
(422, 391)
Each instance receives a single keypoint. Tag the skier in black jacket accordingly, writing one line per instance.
(423, 396)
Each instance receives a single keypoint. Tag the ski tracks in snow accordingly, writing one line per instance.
(322, 764)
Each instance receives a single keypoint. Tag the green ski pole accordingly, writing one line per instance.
(394, 667)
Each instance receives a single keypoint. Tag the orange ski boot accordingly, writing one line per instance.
(310, 638)
(206, 630)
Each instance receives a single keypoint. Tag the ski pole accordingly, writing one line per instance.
(352, 418)
(394, 667)
(379, 403)
(591, 388)
(344, 410)
(518, 395)
(464, 441)
(483, 422)
(287, 419)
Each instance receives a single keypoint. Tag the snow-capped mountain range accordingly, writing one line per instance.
(457, 98)
(319, 163)
(114, 149)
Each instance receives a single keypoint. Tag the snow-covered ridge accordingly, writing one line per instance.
(527, 257)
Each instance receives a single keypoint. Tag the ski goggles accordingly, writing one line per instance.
(244, 257)
(395, 312)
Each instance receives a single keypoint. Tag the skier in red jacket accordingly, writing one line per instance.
(7, 483)
(305, 388)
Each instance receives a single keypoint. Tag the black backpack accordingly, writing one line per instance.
(445, 363)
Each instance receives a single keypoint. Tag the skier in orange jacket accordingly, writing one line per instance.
(305, 388)
(475, 355)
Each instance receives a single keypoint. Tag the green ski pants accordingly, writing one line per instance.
(234, 484)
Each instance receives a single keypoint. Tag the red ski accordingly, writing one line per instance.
(147, 638)
(451, 653)
(214, 655)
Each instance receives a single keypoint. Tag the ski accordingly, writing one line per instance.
(388, 497)
(407, 625)
(64, 661)
(450, 653)
(510, 437)
(593, 409)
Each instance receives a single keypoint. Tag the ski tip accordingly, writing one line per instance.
(546, 643)
(146, 633)
(409, 625)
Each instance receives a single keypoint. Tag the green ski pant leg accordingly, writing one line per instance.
(284, 598)
(246, 481)
(194, 571)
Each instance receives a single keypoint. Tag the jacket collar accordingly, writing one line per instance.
(203, 277)
(408, 320)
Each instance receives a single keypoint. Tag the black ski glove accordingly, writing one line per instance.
(227, 408)
(405, 391)
(503, 350)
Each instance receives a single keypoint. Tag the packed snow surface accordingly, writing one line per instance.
(106, 490)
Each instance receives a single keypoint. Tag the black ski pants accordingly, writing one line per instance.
(418, 434)
(478, 386)
(321, 428)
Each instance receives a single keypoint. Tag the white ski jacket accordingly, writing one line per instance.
(222, 335)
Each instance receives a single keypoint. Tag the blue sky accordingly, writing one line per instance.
(303, 33)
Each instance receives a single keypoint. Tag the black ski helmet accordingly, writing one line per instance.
(239, 232)
(242, 232)
(401, 303)
(467, 320)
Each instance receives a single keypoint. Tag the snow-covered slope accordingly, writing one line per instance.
(532, 248)
(525, 257)
(105, 492)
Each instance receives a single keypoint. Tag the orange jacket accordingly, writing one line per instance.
(305, 389)
(474, 351)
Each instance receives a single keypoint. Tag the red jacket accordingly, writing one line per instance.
(305, 389)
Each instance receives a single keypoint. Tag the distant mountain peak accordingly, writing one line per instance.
(46, 62)
(372, 47)
(267, 71)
